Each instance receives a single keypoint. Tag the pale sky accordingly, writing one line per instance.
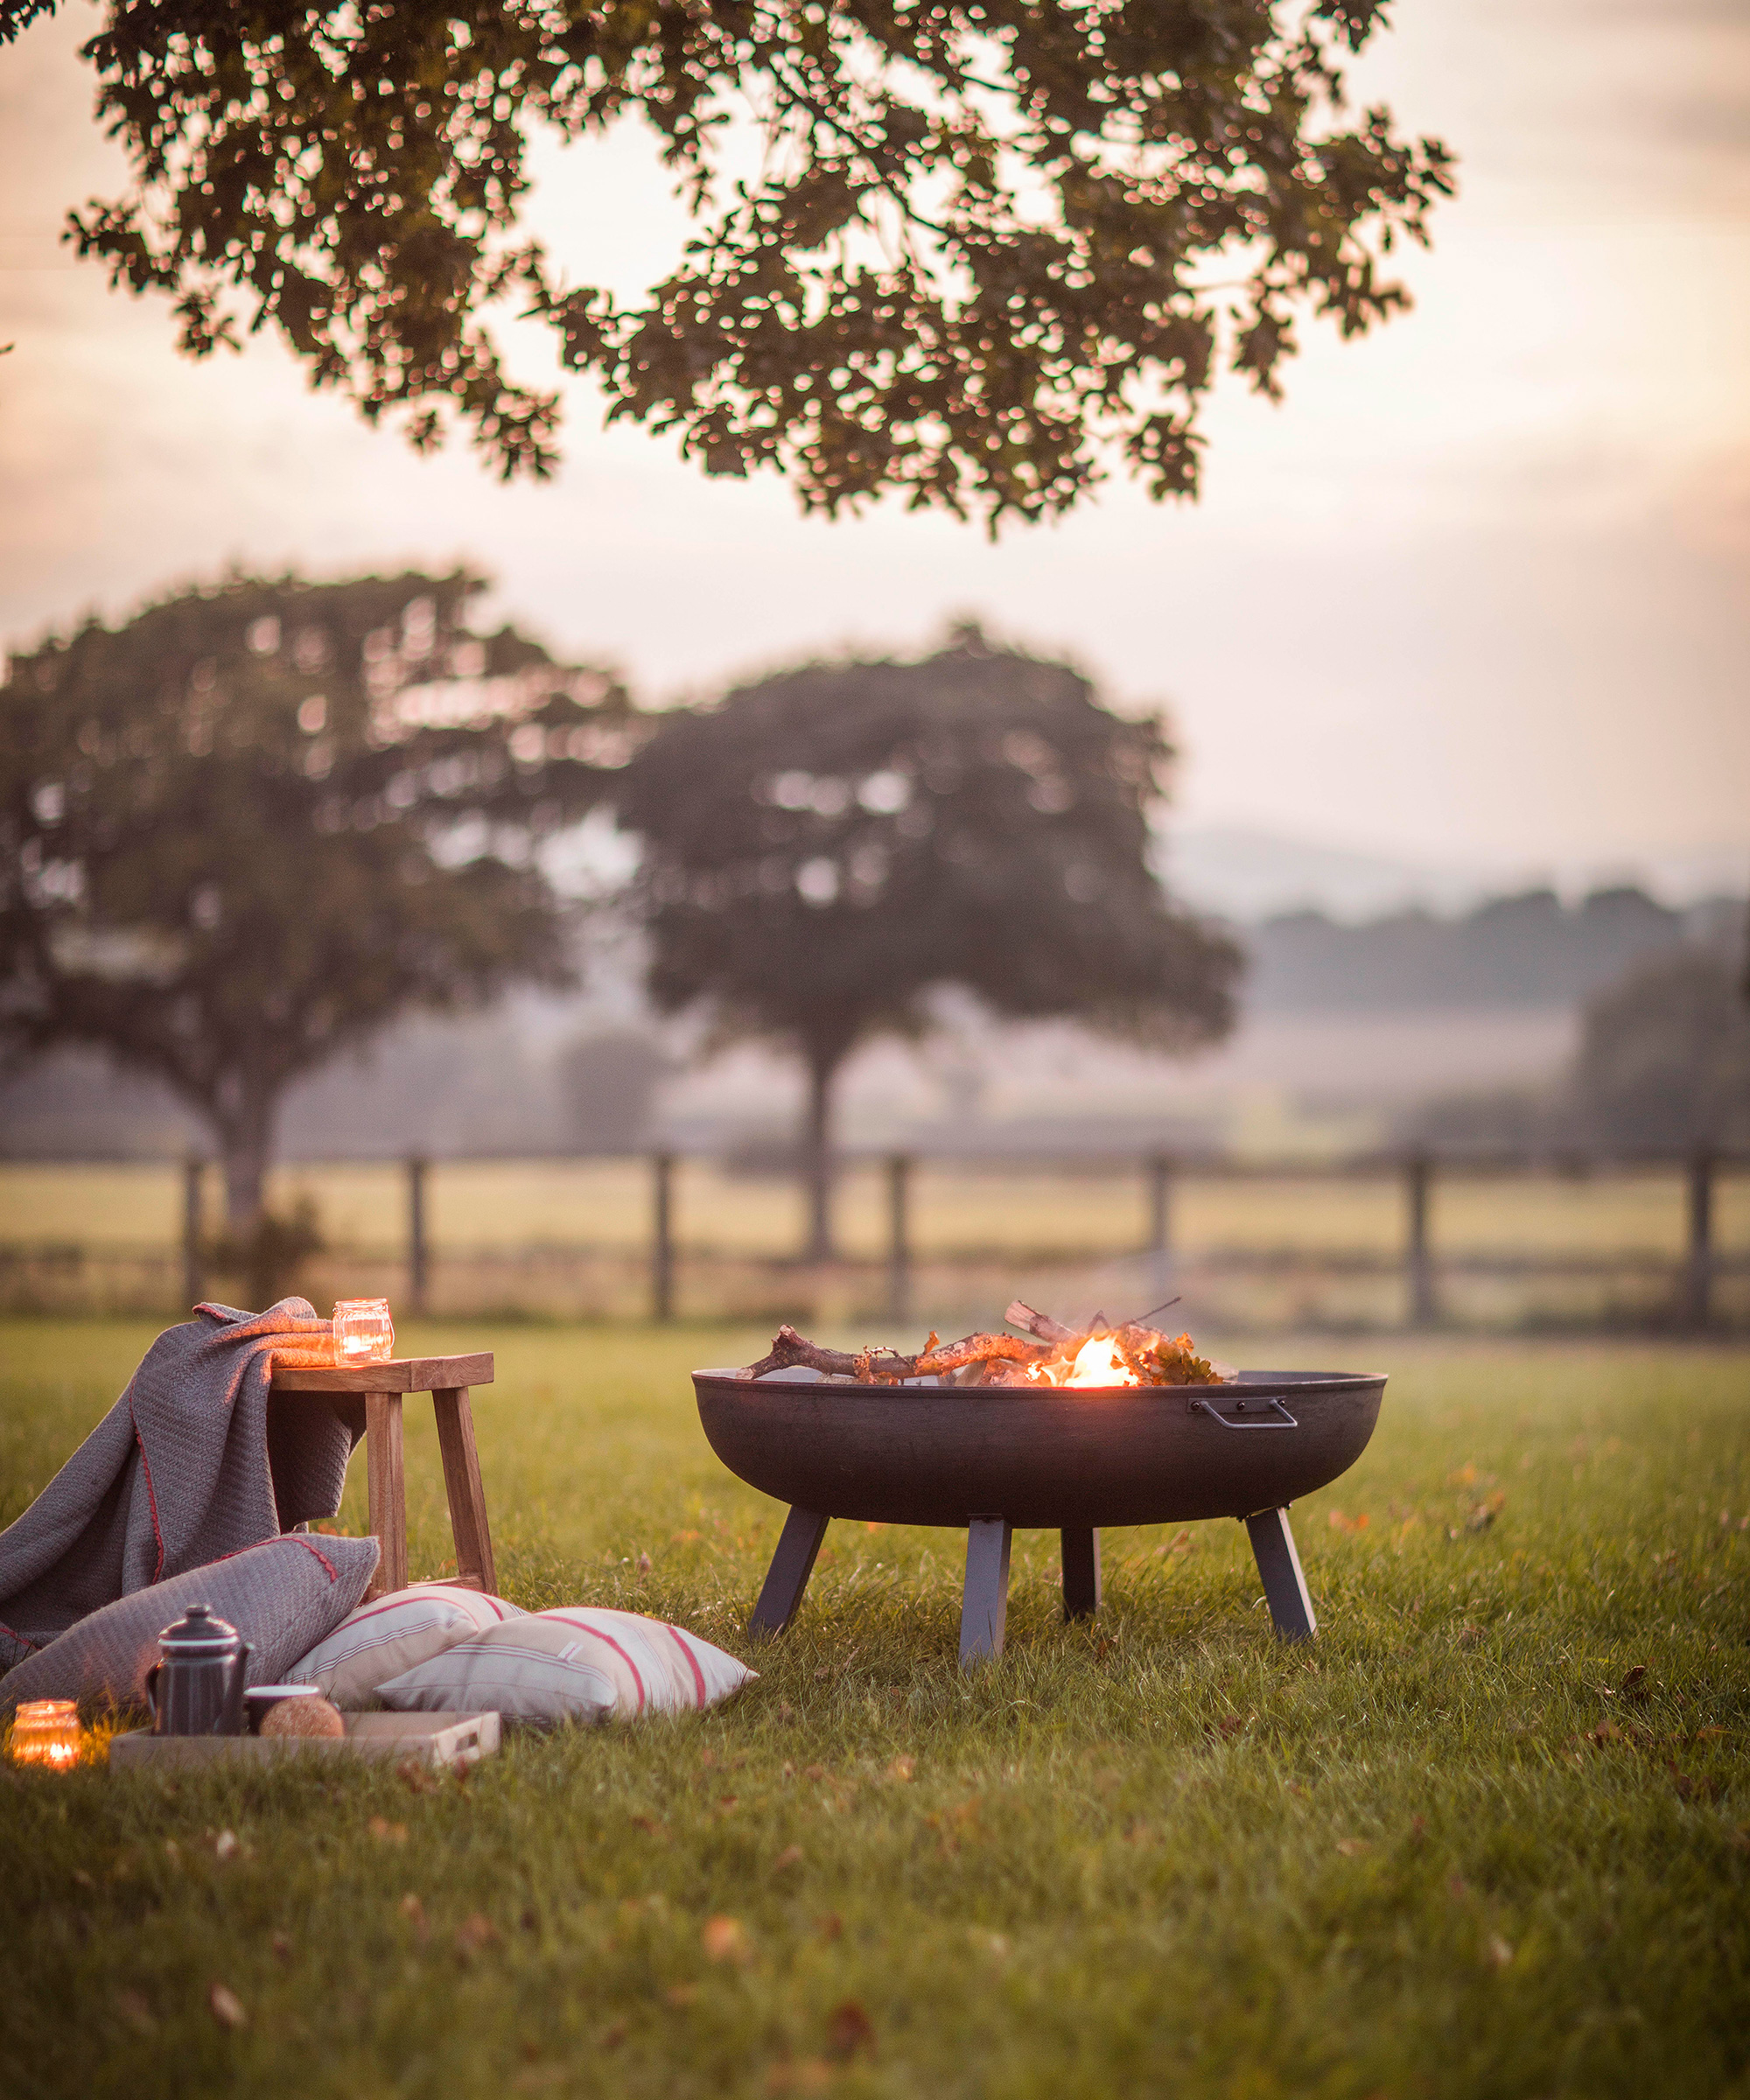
(1476, 591)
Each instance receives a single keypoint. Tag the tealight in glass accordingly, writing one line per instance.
(363, 1331)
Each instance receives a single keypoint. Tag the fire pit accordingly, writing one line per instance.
(1067, 1458)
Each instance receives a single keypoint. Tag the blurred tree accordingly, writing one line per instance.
(252, 825)
(1664, 1059)
(608, 1079)
(967, 252)
(824, 848)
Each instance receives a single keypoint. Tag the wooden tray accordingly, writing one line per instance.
(430, 1739)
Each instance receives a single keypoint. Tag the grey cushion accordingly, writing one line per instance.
(283, 1597)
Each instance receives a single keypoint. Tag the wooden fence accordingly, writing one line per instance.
(1685, 1290)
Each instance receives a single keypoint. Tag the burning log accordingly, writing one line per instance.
(1130, 1354)
(791, 1351)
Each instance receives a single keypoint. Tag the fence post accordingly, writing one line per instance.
(898, 1248)
(417, 1266)
(662, 1245)
(1160, 1204)
(192, 1168)
(1418, 1173)
(1699, 1294)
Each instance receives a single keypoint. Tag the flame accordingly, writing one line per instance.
(1097, 1362)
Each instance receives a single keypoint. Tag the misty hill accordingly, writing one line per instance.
(1527, 951)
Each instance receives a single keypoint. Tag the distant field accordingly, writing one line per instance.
(497, 1207)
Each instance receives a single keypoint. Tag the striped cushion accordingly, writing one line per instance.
(571, 1664)
(395, 1633)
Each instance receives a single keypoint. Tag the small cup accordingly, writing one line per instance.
(261, 1698)
(363, 1330)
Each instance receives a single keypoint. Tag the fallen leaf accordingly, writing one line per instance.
(1352, 1848)
(726, 1940)
(418, 1777)
(225, 1846)
(683, 1538)
(130, 2006)
(814, 1772)
(1419, 1829)
(611, 2036)
(1499, 1953)
(650, 1825)
(228, 2007)
(806, 2075)
(725, 1802)
(902, 1768)
(386, 1832)
(791, 1856)
(280, 1943)
(1633, 1686)
(831, 1926)
(1457, 1887)
(681, 1994)
(81, 1880)
(1469, 1634)
(1230, 1724)
(850, 2031)
(413, 1911)
(644, 1564)
(173, 1851)
(474, 1933)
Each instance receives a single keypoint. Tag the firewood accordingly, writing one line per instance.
(1021, 1315)
(791, 1351)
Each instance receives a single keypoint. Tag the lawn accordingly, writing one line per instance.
(1455, 1848)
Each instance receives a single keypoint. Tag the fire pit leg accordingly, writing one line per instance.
(984, 1609)
(788, 1577)
(1081, 1573)
(1284, 1586)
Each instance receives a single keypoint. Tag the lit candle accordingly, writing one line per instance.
(45, 1731)
(363, 1331)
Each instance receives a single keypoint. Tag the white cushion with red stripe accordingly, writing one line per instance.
(572, 1664)
(391, 1635)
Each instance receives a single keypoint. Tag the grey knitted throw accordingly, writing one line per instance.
(195, 1460)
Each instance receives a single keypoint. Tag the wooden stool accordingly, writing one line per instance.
(383, 1386)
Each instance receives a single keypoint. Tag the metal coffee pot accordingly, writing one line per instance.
(196, 1687)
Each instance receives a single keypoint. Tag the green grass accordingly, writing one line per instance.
(1438, 1854)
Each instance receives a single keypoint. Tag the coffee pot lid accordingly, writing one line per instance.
(197, 1632)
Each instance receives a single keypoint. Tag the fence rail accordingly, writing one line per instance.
(1686, 1286)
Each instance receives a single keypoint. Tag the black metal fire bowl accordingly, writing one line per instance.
(1071, 1460)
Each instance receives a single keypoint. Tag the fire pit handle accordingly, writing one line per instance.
(1207, 1407)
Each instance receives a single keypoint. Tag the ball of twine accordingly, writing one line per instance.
(302, 1716)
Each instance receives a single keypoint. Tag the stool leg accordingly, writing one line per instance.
(386, 1489)
(474, 1566)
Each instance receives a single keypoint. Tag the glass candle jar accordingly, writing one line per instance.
(363, 1331)
(45, 1731)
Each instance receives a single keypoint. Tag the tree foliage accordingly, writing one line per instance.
(1664, 1057)
(959, 248)
(827, 847)
(250, 827)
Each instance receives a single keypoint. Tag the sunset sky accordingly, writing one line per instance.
(1479, 591)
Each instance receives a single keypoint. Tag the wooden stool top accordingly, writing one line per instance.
(390, 1374)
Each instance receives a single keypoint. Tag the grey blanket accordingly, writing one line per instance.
(194, 1462)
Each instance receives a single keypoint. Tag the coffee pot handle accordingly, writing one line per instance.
(232, 1722)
